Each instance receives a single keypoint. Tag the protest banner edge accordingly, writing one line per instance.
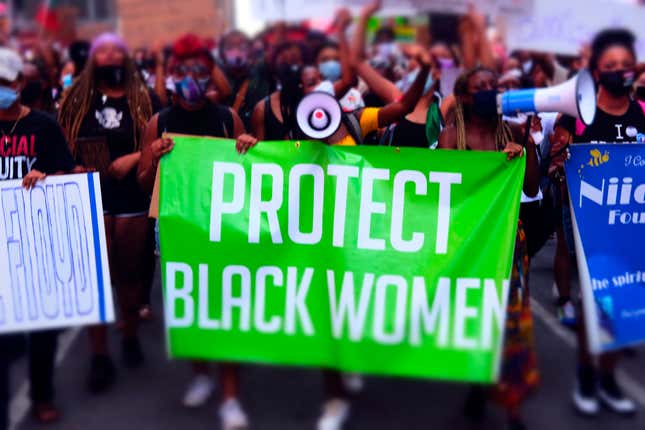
(588, 302)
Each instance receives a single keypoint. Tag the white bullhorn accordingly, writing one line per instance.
(319, 115)
(576, 97)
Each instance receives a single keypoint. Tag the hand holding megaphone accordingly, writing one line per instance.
(576, 97)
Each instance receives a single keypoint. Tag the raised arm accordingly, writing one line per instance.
(360, 32)
(222, 86)
(475, 46)
(396, 111)
(383, 88)
(343, 20)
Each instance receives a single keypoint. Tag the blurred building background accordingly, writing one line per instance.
(141, 22)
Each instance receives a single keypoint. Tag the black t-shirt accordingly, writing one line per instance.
(410, 134)
(111, 118)
(36, 143)
(608, 128)
(211, 120)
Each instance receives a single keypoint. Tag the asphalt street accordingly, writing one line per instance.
(290, 398)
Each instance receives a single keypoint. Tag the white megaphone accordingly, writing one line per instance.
(319, 115)
(576, 97)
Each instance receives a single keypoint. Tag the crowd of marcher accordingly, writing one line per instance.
(100, 106)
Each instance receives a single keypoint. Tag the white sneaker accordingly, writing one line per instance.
(232, 416)
(613, 398)
(353, 382)
(335, 413)
(201, 388)
(584, 403)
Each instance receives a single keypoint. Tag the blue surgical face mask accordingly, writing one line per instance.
(330, 70)
(409, 79)
(8, 97)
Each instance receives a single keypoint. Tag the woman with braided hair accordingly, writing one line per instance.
(479, 127)
(103, 115)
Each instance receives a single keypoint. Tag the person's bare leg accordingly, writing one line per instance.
(200, 367)
(229, 377)
(129, 243)
(102, 372)
(231, 413)
(98, 333)
(562, 266)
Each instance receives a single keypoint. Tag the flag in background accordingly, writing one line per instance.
(47, 15)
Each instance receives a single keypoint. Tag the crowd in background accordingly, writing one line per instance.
(101, 106)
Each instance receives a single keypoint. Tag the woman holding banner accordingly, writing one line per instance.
(103, 114)
(193, 113)
(47, 155)
(478, 127)
(613, 64)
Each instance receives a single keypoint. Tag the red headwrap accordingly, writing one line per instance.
(190, 46)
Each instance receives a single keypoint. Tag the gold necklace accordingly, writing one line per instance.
(5, 137)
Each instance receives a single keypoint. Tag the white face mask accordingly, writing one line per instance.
(521, 118)
(326, 87)
(538, 137)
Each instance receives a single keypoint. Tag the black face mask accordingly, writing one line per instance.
(32, 92)
(617, 83)
(640, 93)
(111, 76)
(485, 104)
(287, 72)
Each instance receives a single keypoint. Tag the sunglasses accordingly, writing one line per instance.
(195, 70)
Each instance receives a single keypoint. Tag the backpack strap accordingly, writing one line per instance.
(388, 136)
(353, 126)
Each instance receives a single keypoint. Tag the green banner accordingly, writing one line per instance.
(365, 259)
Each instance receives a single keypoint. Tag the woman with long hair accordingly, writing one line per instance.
(613, 65)
(103, 115)
(478, 127)
(273, 117)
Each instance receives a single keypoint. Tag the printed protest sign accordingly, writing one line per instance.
(607, 192)
(53, 256)
(367, 259)
(294, 10)
(297, 10)
(564, 27)
(493, 7)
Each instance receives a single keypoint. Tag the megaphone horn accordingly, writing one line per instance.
(575, 97)
(319, 115)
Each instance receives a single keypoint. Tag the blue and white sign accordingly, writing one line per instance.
(53, 258)
(607, 197)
